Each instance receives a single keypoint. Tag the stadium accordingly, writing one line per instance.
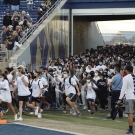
(67, 67)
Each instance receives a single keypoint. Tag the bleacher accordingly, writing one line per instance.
(23, 6)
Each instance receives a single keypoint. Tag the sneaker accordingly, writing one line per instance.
(84, 107)
(39, 115)
(129, 132)
(7, 110)
(36, 111)
(72, 111)
(106, 107)
(31, 113)
(125, 115)
(20, 119)
(89, 110)
(78, 114)
(80, 104)
(64, 111)
(92, 113)
(15, 117)
(41, 110)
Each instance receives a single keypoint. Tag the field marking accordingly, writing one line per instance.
(51, 129)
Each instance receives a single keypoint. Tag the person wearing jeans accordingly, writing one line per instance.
(15, 4)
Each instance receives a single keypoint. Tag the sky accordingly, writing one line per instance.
(115, 26)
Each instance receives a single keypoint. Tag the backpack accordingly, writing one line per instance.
(32, 82)
(69, 81)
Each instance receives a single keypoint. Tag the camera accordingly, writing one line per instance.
(118, 107)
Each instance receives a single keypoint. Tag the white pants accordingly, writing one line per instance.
(83, 94)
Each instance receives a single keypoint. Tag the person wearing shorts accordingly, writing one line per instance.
(5, 95)
(23, 91)
(70, 92)
(91, 95)
(128, 91)
(37, 90)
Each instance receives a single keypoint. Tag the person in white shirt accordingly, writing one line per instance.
(5, 95)
(37, 90)
(91, 95)
(101, 66)
(52, 65)
(58, 84)
(89, 68)
(23, 92)
(70, 91)
(11, 85)
(128, 90)
(45, 92)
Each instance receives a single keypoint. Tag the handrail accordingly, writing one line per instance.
(31, 30)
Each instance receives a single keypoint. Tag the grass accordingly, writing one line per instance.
(99, 119)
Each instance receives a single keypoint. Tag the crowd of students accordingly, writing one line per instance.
(82, 79)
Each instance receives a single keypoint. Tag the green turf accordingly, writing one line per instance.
(99, 119)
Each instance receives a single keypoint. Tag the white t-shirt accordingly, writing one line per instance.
(99, 67)
(58, 83)
(45, 83)
(5, 94)
(53, 67)
(127, 87)
(10, 78)
(110, 72)
(22, 89)
(36, 87)
(68, 87)
(90, 92)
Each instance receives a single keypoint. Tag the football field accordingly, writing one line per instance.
(55, 122)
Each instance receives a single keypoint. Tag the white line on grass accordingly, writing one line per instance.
(48, 128)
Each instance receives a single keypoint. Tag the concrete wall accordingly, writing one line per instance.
(86, 34)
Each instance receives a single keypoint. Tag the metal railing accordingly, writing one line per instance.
(40, 21)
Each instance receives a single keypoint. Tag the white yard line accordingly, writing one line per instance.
(48, 128)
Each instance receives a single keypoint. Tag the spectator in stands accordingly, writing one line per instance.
(7, 1)
(48, 3)
(25, 15)
(3, 38)
(30, 4)
(19, 32)
(10, 44)
(15, 4)
(40, 12)
(7, 19)
(15, 18)
(9, 30)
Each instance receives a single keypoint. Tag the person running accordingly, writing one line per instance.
(5, 95)
(37, 90)
(91, 95)
(23, 92)
(70, 87)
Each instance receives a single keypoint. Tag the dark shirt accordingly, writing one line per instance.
(15, 23)
(102, 85)
(83, 82)
(15, 2)
(3, 37)
(10, 47)
(9, 33)
(7, 21)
